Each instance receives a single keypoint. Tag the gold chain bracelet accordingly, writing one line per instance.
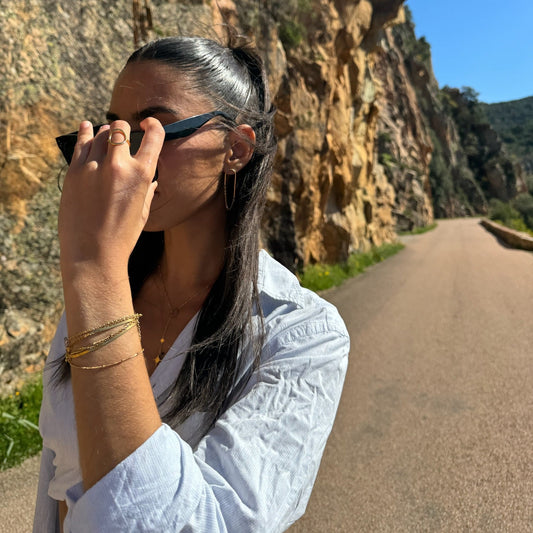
(82, 350)
(104, 327)
(106, 365)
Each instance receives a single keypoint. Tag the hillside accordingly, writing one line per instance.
(514, 123)
(467, 164)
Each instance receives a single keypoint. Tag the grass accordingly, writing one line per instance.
(19, 416)
(320, 276)
(517, 224)
(418, 231)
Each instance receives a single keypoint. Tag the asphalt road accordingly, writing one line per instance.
(435, 428)
(18, 488)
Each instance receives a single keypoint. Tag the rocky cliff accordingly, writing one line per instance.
(51, 80)
(403, 143)
(330, 195)
(467, 165)
(359, 116)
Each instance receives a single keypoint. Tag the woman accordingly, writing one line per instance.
(198, 382)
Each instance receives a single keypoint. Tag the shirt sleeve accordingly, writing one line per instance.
(253, 472)
(46, 517)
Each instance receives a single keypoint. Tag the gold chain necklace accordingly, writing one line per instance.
(173, 313)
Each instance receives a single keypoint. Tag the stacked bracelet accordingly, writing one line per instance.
(121, 325)
(106, 365)
(104, 327)
(72, 354)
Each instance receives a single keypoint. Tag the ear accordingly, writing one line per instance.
(241, 148)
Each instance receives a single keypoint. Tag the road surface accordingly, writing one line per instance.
(435, 427)
(18, 488)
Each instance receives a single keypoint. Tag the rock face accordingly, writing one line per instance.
(467, 165)
(493, 169)
(30, 289)
(358, 119)
(330, 194)
(403, 141)
(52, 80)
(438, 130)
(340, 184)
(330, 197)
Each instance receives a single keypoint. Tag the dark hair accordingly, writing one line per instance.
(234, 79)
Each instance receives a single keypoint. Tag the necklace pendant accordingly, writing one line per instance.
(157, 359)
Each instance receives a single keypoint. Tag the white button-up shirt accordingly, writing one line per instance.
(255, 468)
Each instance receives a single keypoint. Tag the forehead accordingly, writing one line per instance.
(152, 83)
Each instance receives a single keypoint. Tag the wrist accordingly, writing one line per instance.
(102, 270)
(95, 280)
(95, 294)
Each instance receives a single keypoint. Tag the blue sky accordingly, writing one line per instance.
(487, 45)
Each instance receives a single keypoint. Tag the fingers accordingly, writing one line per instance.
(88, 146)
(148, 200)
(83, 144)
(111, 144)
(99, 145)
(118, 139)
(151, 144)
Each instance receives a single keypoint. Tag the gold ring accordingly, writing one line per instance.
(123, 141)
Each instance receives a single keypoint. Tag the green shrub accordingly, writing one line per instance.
(529, 183)
(291, 17)
(19, 416)
(320, 276)
(518, 224)
(386, 160)
(291, 33)
(524, 205)
(499, 210)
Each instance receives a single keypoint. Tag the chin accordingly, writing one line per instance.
(152, 225)
(158, 217)
(161, 222)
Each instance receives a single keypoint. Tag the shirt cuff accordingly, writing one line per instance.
(141, 493)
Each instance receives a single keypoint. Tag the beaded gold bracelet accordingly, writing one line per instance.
(104, 327)
(106, 365)
(82, 350)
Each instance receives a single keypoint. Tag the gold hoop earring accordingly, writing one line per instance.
(230, 205)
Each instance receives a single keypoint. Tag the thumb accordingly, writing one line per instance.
(148, 200)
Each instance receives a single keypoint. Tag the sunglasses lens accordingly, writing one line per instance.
(66, 144)
(136, 138)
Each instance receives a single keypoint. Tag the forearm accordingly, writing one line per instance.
(114, 406)
(62, 509)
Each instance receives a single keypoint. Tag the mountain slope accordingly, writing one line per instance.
(514, 122)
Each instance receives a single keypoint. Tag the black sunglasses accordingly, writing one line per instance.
(176, 130)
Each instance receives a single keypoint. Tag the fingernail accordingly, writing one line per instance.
(85, 124)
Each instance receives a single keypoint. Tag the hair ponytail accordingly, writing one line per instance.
(233, 77)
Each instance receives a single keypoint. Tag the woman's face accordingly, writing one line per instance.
(188, 169)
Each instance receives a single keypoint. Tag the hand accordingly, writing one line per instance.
(107, 195)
